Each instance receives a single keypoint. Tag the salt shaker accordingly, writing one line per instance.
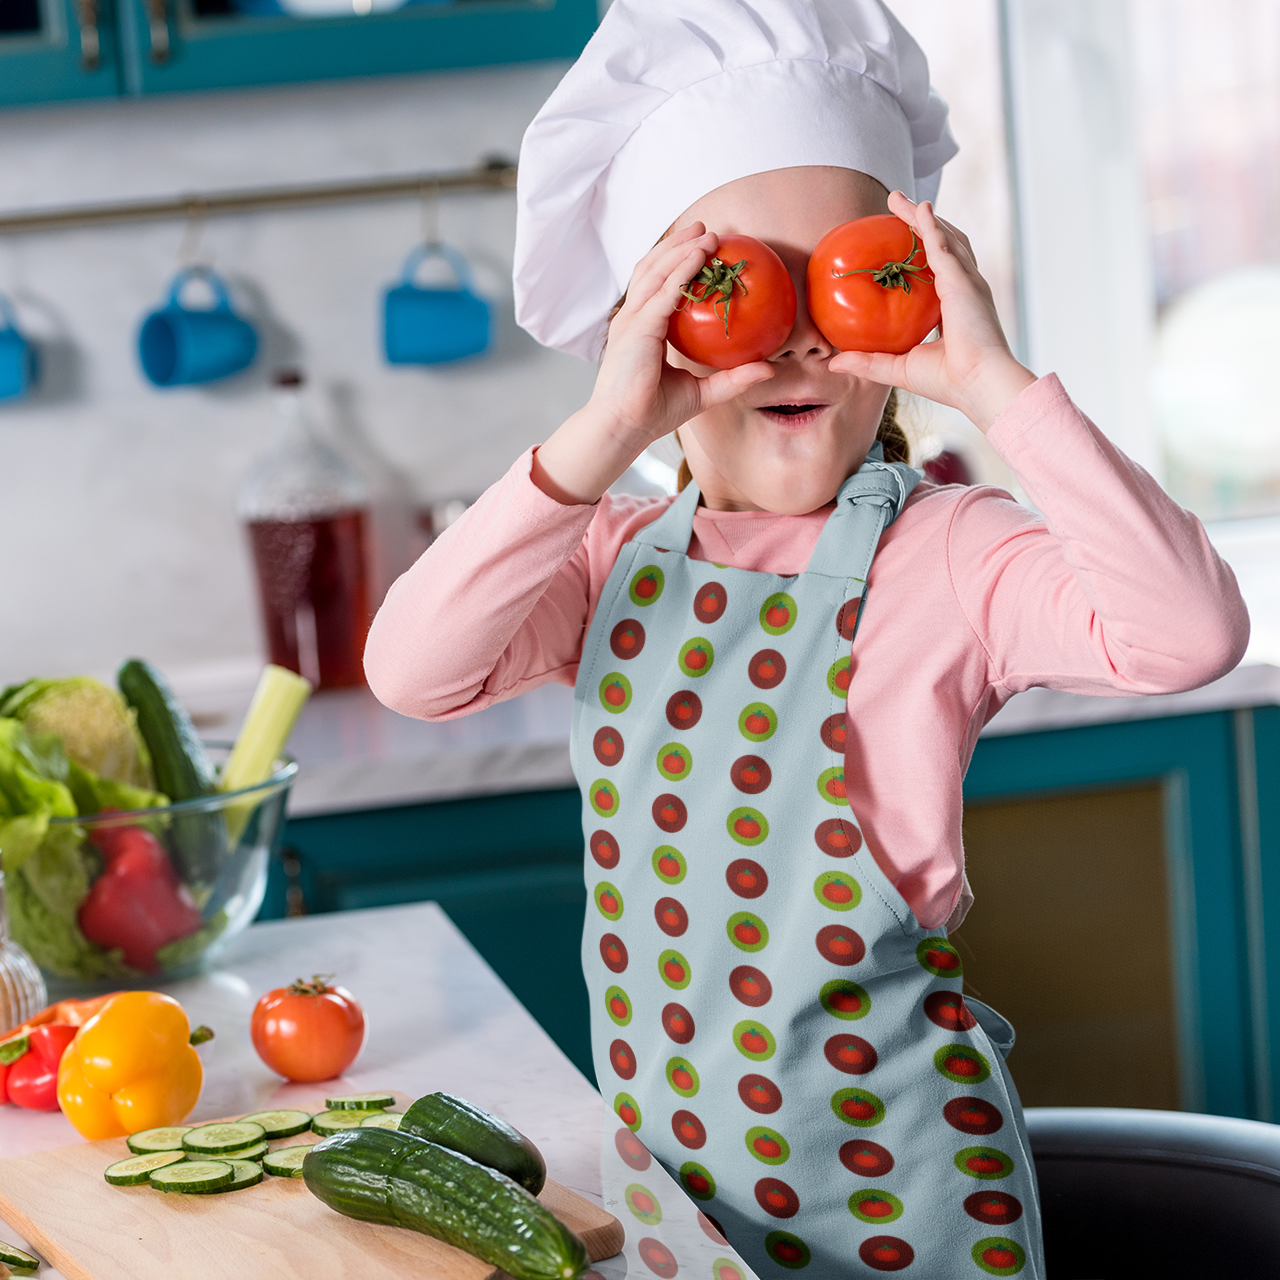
(22, 992)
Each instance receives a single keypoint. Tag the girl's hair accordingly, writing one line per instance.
(890, 434)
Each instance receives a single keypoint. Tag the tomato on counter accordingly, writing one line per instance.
(308, 1031)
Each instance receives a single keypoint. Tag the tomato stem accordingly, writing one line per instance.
(318, 985)
(719, 278)
(893, 275)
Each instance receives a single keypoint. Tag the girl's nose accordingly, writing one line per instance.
(805, 338)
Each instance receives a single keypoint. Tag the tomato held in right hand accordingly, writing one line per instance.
(308, 1031)
(870, 287)
(739, 308)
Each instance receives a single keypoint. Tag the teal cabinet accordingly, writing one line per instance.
(163, 46)
(58, 51)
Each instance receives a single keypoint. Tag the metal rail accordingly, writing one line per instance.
(494, 175)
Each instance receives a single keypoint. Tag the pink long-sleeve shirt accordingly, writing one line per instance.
(1115, 589)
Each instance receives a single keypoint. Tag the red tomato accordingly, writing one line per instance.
(309, 1031)
(870, 287)
(738, 308)
(4, 1075)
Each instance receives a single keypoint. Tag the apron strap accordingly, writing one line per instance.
(674, 527)
(868, 503)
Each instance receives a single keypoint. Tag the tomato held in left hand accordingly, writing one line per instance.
(308, 1031)
(738, 308)
(870, 287)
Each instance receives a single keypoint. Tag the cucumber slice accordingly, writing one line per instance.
(360, 1102)
(217, 1139)
(194, 1176)
(148, 1141)
(383, 1120)
(280, 1124)
(286, 1162)
(246, 1174)
(135, 1170)
(13, 1257)
(327, 1123)
(255, 1152)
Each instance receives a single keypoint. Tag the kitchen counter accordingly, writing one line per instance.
(355, 754)
(453, 1027)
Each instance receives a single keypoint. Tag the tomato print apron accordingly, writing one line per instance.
(767, 1015)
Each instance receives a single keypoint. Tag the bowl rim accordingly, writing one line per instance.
(284, 773)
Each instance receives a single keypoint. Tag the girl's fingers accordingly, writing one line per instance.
(874, 366)
(725, 384)
(654, 269)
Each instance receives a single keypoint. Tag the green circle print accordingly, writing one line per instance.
(999, 1256)
(697, 1180)
(675, 761)
(615, 692)
(618, 1005)
(748, 826)
(961, 1064)
(646, 585)
(940, 958)
(838, 676)
(674, 970)
(608, 900)
(987, 1164)
(669, 864)
(747, 932)
(844, 999)
(837, 890)
(754, 1040)
(696, 657)
(857, 1107)
(627, 1110)
(682, 1077)
(604, 797)
(757, 722)
(875, 1206)
(768, 1145)
(778, 614)
(831, 786)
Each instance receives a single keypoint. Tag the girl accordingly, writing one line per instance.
(774, 865)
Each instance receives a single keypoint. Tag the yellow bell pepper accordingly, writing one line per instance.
(131, 1067)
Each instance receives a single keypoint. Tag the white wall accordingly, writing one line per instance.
(117, 502)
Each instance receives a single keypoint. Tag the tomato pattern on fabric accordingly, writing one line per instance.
(773, 975)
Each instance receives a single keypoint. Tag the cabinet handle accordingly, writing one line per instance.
(90, 45)
(158, 26)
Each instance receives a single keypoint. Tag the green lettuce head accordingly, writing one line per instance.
(97, 727)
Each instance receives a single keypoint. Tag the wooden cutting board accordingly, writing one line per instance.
(277, 1230)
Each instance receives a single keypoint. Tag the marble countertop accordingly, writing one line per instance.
(455, 1027)
(355, 754)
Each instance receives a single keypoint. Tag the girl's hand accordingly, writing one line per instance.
(970, 367)
(639, 397)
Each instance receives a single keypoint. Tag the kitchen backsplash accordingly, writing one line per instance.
(118, 500)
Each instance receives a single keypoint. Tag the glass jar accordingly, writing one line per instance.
(22, 991)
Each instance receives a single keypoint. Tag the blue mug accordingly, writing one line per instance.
(19, 363)
(179, 346)
(430, 326)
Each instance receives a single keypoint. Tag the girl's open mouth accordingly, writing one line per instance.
(793, 415)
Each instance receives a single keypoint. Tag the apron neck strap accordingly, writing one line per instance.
(868, 503)
(674, 527)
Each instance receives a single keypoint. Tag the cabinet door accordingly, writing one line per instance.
(57, 50)
(215, 44)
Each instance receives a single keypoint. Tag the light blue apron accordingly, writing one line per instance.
(766, 1013)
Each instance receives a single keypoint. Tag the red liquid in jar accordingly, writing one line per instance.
(314, 587)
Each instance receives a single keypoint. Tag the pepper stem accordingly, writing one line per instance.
(200, 1035)
(716, 277)
(893, 275)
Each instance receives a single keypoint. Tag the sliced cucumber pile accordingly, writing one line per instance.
(254, 1152)
(136, 1170)
(383, 1120)
(245, 1173)
(280, 1124)
(148, 1141)
(222, 1139)
(15, 1258)
(327, 1123)
(287, 1161)
(361, 1102)
(194, 1176)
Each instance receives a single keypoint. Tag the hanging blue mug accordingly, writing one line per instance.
(429, 325)
(19, 363)
(179, 346)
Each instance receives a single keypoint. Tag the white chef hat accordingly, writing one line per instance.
(672, 99)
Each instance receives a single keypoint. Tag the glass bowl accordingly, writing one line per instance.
(125, 898)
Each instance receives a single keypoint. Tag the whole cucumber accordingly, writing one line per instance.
(394, 1178)
(198, 841)
(453, 1122)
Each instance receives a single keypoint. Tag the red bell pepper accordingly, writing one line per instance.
(32, 1081)
(4, 1092)
(138, 903)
